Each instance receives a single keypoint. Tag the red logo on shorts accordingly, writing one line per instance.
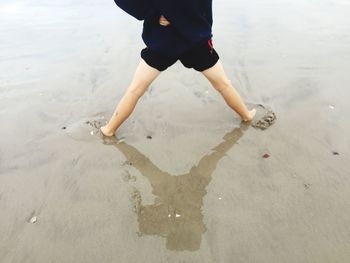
(210, 45)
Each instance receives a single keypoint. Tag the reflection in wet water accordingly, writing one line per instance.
(176, 213)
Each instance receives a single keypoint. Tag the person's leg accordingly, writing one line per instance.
(217, 77)
(143, 77)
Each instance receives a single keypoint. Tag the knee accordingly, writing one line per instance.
(136, 90)
(222, 84)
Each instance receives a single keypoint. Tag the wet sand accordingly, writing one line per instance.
(186, 182)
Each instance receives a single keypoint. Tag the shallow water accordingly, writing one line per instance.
(185, 183)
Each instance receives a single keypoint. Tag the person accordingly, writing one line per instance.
(172, 31)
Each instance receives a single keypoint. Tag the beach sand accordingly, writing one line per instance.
(184, 181)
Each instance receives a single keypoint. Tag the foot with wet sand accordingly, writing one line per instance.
(263, 118)
(251, 115)
(106, 132)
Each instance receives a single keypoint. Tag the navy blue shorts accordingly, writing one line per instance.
(200, 57)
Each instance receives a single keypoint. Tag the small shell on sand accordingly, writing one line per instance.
(33, 220)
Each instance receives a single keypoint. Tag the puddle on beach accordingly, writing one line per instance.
(176, 214)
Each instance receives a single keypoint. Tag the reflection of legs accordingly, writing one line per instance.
(217, 77)
(143, 77)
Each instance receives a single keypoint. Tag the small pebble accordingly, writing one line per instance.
(266, 155)
(220, 198)
(331, 107)
(336, 153)
(63, 128)
(177, 215)
(169, 215)
(92, 132)
(149, 137)
(307, 186)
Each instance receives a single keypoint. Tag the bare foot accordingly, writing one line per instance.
(250, 116)
(106, 132)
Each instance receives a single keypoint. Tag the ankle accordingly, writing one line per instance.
(249, 116)
(107, 131)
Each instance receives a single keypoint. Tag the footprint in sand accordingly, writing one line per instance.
(85, 130)
(264, 117)
(127, 177)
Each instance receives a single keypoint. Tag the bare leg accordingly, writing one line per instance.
(143, 77)
(217, 77)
